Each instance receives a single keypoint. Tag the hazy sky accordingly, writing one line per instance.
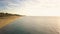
(31, 7)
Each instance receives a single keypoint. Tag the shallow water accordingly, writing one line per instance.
(33, 25)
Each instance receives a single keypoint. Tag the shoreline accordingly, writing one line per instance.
(5, 21)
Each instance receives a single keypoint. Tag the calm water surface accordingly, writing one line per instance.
(32, 25)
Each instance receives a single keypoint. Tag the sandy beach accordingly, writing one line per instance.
(6, 20)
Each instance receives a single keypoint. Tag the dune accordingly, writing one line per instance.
(6, 18)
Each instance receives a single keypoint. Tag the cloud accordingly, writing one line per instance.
(10, 4)
(31, 7)
(41, 8)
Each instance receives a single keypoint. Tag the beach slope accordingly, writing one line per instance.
(6, 18)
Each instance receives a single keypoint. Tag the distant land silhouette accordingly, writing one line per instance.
(8, 14)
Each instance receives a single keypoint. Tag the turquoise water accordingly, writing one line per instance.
(31, 25)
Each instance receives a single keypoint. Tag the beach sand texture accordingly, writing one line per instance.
(6, 18)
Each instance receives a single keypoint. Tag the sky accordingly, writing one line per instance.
(31, 7)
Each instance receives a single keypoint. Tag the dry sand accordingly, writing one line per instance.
(6, 20)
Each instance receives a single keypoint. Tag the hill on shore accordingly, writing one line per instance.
(8, 14)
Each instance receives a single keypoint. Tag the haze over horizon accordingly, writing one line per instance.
(31, 7)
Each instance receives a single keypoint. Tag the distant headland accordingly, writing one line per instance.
(8, 14)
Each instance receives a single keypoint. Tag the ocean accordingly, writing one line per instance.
(33, 25)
